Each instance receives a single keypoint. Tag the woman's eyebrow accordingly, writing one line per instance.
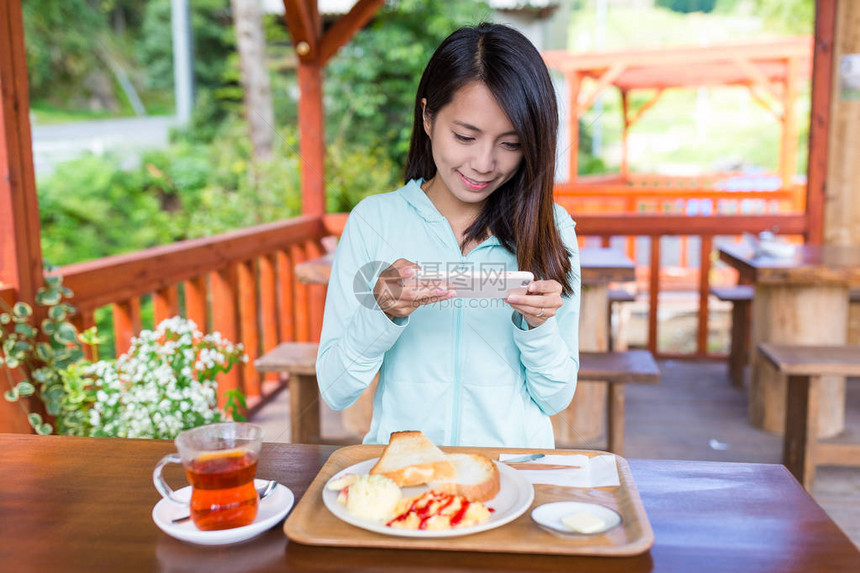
(473, 128)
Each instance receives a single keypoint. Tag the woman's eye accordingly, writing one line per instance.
(511, 146)
(463, 137)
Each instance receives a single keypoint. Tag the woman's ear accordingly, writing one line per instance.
(428, 125)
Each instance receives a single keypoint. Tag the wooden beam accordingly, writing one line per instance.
(625, 133)
(20, 233)
(121, 277)
(755, 74)
(646, 106)
(347, 26)
(574, 85)
(788, 145)
(704, 298)
(20, 247)
(657, 225)
(677, 56)
(604, 82)
(766, 103)
(312, 137)
(822, 89)
(305, 29)
(841, 224)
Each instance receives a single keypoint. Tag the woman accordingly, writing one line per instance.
(478, 194)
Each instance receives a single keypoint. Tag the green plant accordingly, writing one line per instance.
(163, 385)
(40, 354)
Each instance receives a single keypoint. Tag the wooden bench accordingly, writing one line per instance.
(741, 298)
(617, 296)
(803, 366)
(298, 359)
(617, 369)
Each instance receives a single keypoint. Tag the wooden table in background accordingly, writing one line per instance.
(585, 420)
(85, 504)
(801, 299)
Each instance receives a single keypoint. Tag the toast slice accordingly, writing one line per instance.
(410, 458)
(477, 478)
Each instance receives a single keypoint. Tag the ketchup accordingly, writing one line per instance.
(421, 508)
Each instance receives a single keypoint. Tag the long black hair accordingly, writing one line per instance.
(519, 213)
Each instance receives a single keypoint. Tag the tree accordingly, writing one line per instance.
(371, 82)
(686, 6)
(251, 45)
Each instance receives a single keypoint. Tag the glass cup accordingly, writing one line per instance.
(220, 461)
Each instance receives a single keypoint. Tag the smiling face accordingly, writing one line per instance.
(475, 148)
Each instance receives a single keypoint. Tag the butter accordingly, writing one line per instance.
(583, 522)
(372, 497)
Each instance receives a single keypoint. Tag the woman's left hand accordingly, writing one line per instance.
(541, 301)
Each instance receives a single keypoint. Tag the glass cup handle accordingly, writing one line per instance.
(158, 479)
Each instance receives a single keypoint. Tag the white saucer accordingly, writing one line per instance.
(272, 510)
(549, 516)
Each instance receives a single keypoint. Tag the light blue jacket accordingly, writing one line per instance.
(463, 371)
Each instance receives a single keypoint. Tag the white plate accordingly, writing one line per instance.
(549, 516)
(515, 496)
(271, 510)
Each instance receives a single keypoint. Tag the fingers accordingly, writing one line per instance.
(543, 299)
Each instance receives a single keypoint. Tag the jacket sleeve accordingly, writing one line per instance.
(550, 352)
(356, 333)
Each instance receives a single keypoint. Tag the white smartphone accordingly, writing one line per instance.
(476, 284)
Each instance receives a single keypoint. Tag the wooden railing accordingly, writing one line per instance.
(658, 228)
(240, 284)
(644, 193)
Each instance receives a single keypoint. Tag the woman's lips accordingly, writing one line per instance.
(471, 185)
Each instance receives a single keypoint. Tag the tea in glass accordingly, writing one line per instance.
(220, 461)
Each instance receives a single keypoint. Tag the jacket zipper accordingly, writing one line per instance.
(455, 430)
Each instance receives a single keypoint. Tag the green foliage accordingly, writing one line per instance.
(90, 208)
(40, 353)
(788, 16)
(371, 82)
(59, 54)
(235, 406)
(354, 173)
(216, 69)
(687, 6)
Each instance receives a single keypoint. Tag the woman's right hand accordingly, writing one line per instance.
(397, 298)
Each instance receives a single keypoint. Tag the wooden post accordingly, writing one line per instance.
(788, 145)
(21, 260)
(625, 132)
(574, 84)
(704, 296)
(20, 248)
(312, 138)
(225, 319)
(842, 209)
(822, 89)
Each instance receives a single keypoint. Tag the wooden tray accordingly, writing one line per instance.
(313, 524)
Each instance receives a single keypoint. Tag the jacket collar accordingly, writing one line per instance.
(415, 196)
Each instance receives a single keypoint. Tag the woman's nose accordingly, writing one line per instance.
(484, 160)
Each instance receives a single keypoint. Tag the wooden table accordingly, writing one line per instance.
(84, 504)
(584, 421)
(798, 300)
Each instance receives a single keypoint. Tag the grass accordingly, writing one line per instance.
(49, 113)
